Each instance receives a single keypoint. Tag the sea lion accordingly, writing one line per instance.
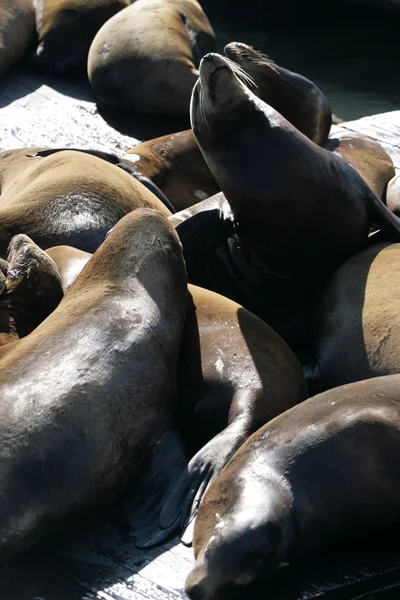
(366, 156)
(295, 97)
(17, 31)
(65, 198)
(355, 324)
(393, 195)
(329, 204)
(88, 393)
(146, 57)
(66, 29)
(323, 472)
(30, 289)
(176, 165)
(234, 374)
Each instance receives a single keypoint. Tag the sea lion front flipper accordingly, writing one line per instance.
(186, 496)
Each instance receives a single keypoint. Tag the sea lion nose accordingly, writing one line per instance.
(207, 56)
(196, 592)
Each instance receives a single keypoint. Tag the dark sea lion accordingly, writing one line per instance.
(295, 97)
(393, 195)
(146, 58)
(356, 321)
(30, 289)
(17, 31)
(324, 472)
(65, 198)
(176, 165)
(234, 375)
(301, 210)
(66, 29)
(366, 156)
(88, 393)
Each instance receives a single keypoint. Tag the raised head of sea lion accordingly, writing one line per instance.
(65, 197)
(355, 322)
(17, 31)
(295, 97)
(66, 29)
(133, 66)
(88, 393)
(175, 164)
(269, 171)
(324, 472)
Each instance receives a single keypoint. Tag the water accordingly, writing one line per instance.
(353, 55)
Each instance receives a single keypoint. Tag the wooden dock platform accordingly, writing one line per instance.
(101, 561)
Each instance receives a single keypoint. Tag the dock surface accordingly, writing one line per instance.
(101, 560)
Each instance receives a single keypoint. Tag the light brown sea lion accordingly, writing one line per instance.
(176, 165)
(301, 210)
(88, 393)
(295, 97)
(146, 58)
(393, 195)
(324, 472)
(366, 156)
(355, 324)
(67, 197)
(234, 375)
(66, 29)
(17, 31)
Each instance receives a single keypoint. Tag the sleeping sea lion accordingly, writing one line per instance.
(322, 473)
(66, 29)
(234, 375)
(176, 165)
(17, 31)
(301, 210)
(295, 97)
(88, 393)
(65, 198)
(355, 324)
(146, 57)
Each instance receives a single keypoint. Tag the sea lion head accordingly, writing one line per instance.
(67, 27)
(33, 283)
(251, 535)
(220, 94)
(252, 61)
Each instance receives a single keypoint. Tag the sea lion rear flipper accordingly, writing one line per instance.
(380, 214)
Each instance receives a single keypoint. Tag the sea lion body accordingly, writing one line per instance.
(65, 198)
(66, 29)
(146, 58)
(87, 393)
(176, 165)
(295, 97)
(326, 471)
(234, 375)
(330, 206)
(70, 262)
(17, 31)
(393, 195)
(366, 156)
(356, 321)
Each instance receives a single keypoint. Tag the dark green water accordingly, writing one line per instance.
(352, 52)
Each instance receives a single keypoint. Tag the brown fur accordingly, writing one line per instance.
(393, 195)
(356, 324)
(146, 57)
(67, 197)
(175, 164)
(17, 30)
